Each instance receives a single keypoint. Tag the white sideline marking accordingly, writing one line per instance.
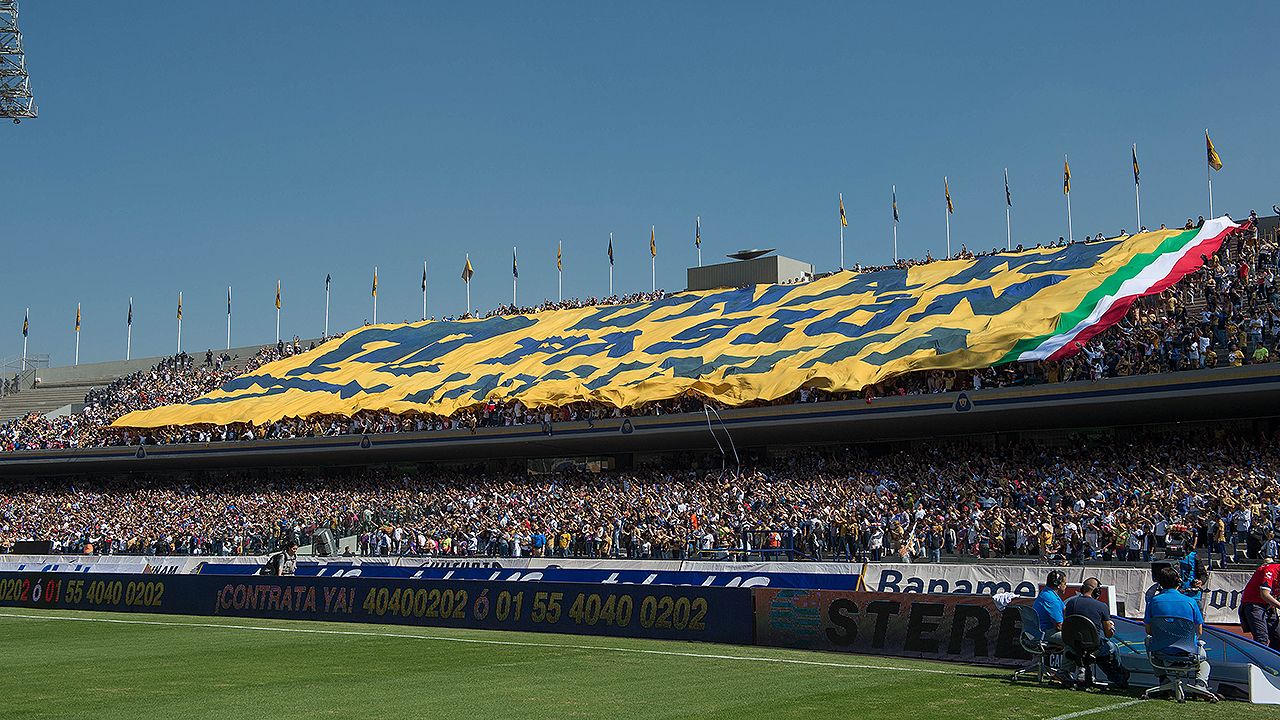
(477, 641)
(1094, 711)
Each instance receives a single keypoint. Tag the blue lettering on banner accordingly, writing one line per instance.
(705, 614)
(606, 576)
(892, 581)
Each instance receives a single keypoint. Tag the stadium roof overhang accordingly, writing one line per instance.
(1218, 394)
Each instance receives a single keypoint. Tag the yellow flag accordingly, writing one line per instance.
(467, 271)
(375, 281)
(77, 317)
(844, 221)
(179, 306)
(559, 262)
(1215, 161)
(946, 189)
(653, 243)
(277, 294)
(1066, 177)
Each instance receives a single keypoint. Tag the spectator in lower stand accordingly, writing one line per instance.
(1087, 604)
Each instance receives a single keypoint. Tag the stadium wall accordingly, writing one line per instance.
(703, 614)
(968, 629)
(1130, 584)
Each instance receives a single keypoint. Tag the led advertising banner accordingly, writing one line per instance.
(707, 614)
(965, 628)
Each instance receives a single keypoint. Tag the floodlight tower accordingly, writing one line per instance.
(16, 102)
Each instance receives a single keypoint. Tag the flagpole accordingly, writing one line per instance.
(326, 307)
(1137, 202)
(375, 294)
(77, 361)
(277, 313)
(1008, 229)
(610, 264)
(1071, 235)
(841, 196)
(424, 289)
(128, 333)
(229, 318)
(1137, 197)
(1208, 174)
(653, 262)
(1009, 226)
(468, 283)
(893, 194)
(25, 324)
(948, 212)
(559, 273)
(179, 350)
(697, 224)
(515, 276)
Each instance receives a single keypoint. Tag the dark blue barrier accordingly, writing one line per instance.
(709, 614)
(606, 576)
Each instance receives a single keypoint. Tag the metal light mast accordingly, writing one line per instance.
(15, 85)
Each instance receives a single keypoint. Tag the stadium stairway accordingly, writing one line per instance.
(56, 388)
(43, 400)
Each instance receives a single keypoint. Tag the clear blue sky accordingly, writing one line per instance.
(189, 146)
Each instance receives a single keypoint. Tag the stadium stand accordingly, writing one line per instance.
(1126, 496)
(1127, 501)
(1221, 315)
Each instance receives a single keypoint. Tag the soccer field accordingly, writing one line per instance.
(62, 664)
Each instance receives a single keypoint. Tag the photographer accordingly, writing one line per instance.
(284, 562)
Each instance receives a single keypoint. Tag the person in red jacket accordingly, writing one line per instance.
(1260, 604)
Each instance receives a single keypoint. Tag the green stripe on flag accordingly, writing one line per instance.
(1109, 286)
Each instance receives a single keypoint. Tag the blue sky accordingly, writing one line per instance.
(191, 146)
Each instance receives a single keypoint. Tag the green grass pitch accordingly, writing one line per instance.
(70, 665)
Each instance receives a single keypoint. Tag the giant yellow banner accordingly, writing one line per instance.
(841, 333)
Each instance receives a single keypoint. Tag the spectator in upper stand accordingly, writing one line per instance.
(1170, 603)
(1086, 603)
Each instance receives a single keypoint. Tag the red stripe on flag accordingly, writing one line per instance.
(1187, 264)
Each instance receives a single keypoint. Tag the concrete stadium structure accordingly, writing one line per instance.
(58, 390)
(1243, 394)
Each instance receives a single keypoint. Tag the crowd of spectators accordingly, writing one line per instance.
(592, 301)
(1224, 314)
(1078, 503)
(177, 379)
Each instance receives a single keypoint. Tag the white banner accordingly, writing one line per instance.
(1221, 600)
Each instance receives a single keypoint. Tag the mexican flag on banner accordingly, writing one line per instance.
(1148, 273)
